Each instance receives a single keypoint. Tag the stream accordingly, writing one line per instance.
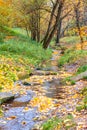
(19, 114)
(40, 97)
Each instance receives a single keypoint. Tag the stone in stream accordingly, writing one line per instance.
(26, 83)
(31, 93)
(79, 76)
(52, 68)
(4, 97)
(24, 98)
(41, 72)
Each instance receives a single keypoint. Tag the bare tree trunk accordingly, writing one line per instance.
(38, 26)
(58, 33)
(50, 22)
(27, 31)
(33, 27)
(76, 9)
(50, 33)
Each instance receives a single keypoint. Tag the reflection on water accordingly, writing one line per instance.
(54, 89)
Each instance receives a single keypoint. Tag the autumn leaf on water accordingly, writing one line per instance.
(23, 123)
(11, 118)
(25, 109)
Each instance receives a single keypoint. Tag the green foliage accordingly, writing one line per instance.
(52, 123)
(20, 54)
(68, 79)
(82, 69)
(9, 32)
(1, 38)
(72, 82)
(80, 107)
(84, 101)
(1, 87)
(56, 123)
(71, 57)
(71, 39)
(1, 113)
(84, 91)
(27, 50)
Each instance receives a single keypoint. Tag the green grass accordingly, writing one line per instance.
(51, 124)
(33, 53)
(11, 31)
(71, 56)
(18, 33)
(20, 54)
(68, 79)
(71, 39)
(84, 100)
(56, 123)
(84, 91)
(82, 69)
(1, 113)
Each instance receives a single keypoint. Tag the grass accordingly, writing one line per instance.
(71, 56)
(83, 104)
(25, 49)
(58, 124)
(20, 54)
(1, 112)
(82, 69)
(51, 124)
(19, 33)
(69, 81)
(71, 39)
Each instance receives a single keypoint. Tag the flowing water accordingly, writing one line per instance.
(38, 98)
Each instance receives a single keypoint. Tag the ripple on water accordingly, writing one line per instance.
(23, 120)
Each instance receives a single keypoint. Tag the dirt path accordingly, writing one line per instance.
(42, 96)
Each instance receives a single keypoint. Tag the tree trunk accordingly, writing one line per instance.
(50, 33)
(58, 33)
(78, 24)
(50, 23)
(38, 26)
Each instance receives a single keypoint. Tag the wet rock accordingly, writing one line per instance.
(39, 68)
(4, 97)
(16, 95)
(40, 72)
(31, 93)
(52, 68)
(71, 68)
(26, 83)
(80, 76)
(23, 99)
